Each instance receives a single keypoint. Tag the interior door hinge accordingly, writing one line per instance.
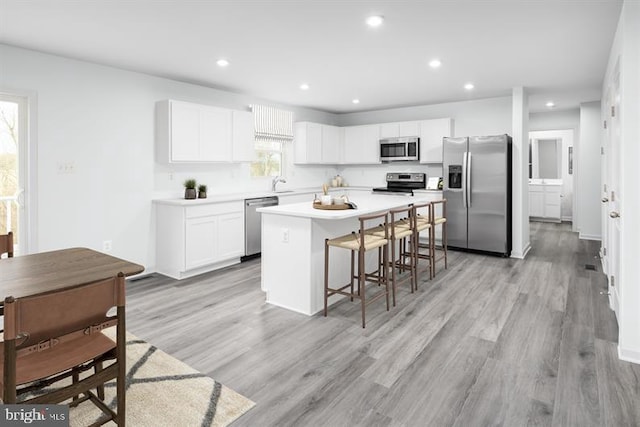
(605, 124)
(613, 111)
(604, 251)
(605, 188)
(602, 150)
(613, 281)
(613, 196)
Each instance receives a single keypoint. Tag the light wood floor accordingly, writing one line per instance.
(490, 341)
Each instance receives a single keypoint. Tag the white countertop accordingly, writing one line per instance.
(367, 204)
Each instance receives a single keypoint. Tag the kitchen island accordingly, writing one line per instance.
(293, 247)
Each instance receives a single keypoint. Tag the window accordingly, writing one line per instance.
(269, 158)
(273, 128)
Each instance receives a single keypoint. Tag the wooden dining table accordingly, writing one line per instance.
(44, 272)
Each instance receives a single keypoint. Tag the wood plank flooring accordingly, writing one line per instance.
(490, 341)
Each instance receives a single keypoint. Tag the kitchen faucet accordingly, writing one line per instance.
(276, 180)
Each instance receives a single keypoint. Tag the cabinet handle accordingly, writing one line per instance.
(614, 214)
(605, 200)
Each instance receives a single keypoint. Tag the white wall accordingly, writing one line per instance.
(101, 119)
(588, 165)
(520, 171)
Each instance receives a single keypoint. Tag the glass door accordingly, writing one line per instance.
(13, 169)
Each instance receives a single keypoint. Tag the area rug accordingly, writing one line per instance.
(163, 391)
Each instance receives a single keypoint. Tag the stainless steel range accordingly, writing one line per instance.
(403, 183)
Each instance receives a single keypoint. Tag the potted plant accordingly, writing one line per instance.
(190, 189)
(202, 191)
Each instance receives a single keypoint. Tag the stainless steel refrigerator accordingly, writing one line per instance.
(477, 186)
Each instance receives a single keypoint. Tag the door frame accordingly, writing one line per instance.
(28, 165)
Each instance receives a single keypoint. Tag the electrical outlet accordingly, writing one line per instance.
(285, 235)
(66, 167)
(106, 246)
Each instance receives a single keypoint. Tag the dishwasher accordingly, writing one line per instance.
(253, 224)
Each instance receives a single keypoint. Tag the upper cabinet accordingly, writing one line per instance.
(315, 143)
(361, 145)
(188, 133)
(431, 134)
(400, 129)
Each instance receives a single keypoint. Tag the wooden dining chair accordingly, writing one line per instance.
(58, 335)
(6, 244)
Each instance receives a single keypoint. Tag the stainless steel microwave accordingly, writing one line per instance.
(400, 149)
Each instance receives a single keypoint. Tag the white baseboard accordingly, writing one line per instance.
(589, 236)
(523, 254)
(567, 219)
(628, 355)
(603, 264)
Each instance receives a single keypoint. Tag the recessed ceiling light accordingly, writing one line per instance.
(435, 63)
(550, 104)
(356, 101)
(375, 20)
(469, 86)
(304, 86)
(222, 62)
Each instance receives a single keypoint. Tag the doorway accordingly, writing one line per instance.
(551, 160)
(14, 169)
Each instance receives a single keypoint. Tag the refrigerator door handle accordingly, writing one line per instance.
(464, 179)
(468, 183)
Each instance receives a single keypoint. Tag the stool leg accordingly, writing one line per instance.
(326, 276)
(432, 252)
(361, 289)
(444, 243)
(352, 273)
(393, 270)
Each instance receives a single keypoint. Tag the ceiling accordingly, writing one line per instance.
(557, 49)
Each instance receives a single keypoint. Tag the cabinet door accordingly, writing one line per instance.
(230, 237)
(361, 145)
(185, 132)
(536, 203)
(552, 202)
(200, 241)
(389, 130)
(431, 134)
(307, 143)
(215, 134)
(243, 137)
(330, 144)
(409, 129)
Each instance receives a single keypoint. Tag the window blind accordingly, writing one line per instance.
(272, 124)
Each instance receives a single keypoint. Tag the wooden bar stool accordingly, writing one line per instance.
(360, 242)
(441, 220)
(6, 244)
(401, 228)
(423, 214)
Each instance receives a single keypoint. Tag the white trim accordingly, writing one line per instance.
(29, 99)
(589, 236)
(524, 253)
(613, 301)
(628, 355)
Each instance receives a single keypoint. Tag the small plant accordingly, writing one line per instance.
(190, 189)
(202, 191)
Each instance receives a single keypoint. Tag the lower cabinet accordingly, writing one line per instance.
(195, 239)
(545, 201)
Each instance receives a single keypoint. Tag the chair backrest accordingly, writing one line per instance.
(379, 218)
(443, 213)
(6, 244)
(54, 314)
(403, 213)
(423, 210)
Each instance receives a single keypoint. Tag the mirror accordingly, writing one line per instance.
(545, 158)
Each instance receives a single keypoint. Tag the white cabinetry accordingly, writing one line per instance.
(431, 134)
(544, 201)
(194, 239)
(243, 137)
(316, 143)
(189, 133)
(361, 145)
(394, 130)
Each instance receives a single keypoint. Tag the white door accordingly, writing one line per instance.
(604, 188)
(615, 194)
(14, 170)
